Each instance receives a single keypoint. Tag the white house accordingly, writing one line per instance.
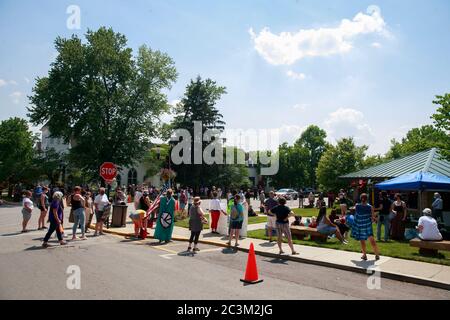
(127, 176)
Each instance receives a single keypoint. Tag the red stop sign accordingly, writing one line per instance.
(108, 171)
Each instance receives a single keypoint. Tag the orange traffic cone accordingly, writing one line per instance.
(251, 273)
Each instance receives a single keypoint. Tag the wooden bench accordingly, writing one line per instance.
(301, 232)
(430, 248)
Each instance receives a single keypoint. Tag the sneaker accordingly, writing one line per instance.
(196, 249)
(45, 245)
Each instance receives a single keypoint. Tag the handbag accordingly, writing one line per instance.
(392, 216)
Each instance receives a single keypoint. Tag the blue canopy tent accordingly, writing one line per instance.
(417, 181)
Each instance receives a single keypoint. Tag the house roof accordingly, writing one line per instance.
(426, 161)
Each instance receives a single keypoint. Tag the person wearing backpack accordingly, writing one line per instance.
(236, 219)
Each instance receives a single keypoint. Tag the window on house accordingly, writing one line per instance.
(132, 176)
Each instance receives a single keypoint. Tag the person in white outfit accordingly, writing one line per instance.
(428, 227)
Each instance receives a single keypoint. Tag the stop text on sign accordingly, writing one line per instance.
(108, 171)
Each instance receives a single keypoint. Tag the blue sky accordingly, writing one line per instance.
(364, 68)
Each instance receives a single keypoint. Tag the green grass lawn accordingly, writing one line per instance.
(394, 249)
(251, 220)
(313, 212)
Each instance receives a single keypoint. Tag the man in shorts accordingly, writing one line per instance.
(269, 204)
(283, 213)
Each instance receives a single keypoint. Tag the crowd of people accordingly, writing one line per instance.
(345, 217)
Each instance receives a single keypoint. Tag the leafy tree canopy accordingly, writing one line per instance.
(103, 99)
(198, 104)
(339, 160)
(418, 139)
(442, 121)
(16, 151)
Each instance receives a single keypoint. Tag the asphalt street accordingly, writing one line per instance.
(112, 267)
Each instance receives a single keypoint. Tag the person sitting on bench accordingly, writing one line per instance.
(297, 222)
(428, 227)
(325, 226)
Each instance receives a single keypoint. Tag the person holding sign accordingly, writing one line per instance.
(165, 221)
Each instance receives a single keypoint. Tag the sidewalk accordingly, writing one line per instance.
(416, 272)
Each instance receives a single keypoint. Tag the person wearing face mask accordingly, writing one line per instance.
(165, 221)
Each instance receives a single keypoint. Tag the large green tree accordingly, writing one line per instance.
(418, 139)
(339, 160)
(102, 98)
(298, 163)
(198, 104)
(313, 141)
(16, 152)
(442, 121)
(293, 167)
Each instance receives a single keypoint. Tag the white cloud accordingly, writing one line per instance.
(16, 96)
(300, 107)
(347, 122)
(376, 45)
(296, 76)
(290, 133)
(7, 82)
(27, 80)
(286, 48)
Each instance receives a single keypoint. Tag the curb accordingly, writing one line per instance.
(383, 274)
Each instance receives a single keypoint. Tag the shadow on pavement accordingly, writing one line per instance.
(11, 234)
(364, 264)
(277, 261)
(210, 235)
(34, 248)
(268, 244)
(186, 254)
(229, 251)
(127, 240)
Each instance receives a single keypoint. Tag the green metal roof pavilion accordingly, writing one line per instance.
(426, 161)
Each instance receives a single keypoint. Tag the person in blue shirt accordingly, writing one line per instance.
(236, 219)
(362, 226)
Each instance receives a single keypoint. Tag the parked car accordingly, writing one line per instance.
(288, 194)
(307, 191)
